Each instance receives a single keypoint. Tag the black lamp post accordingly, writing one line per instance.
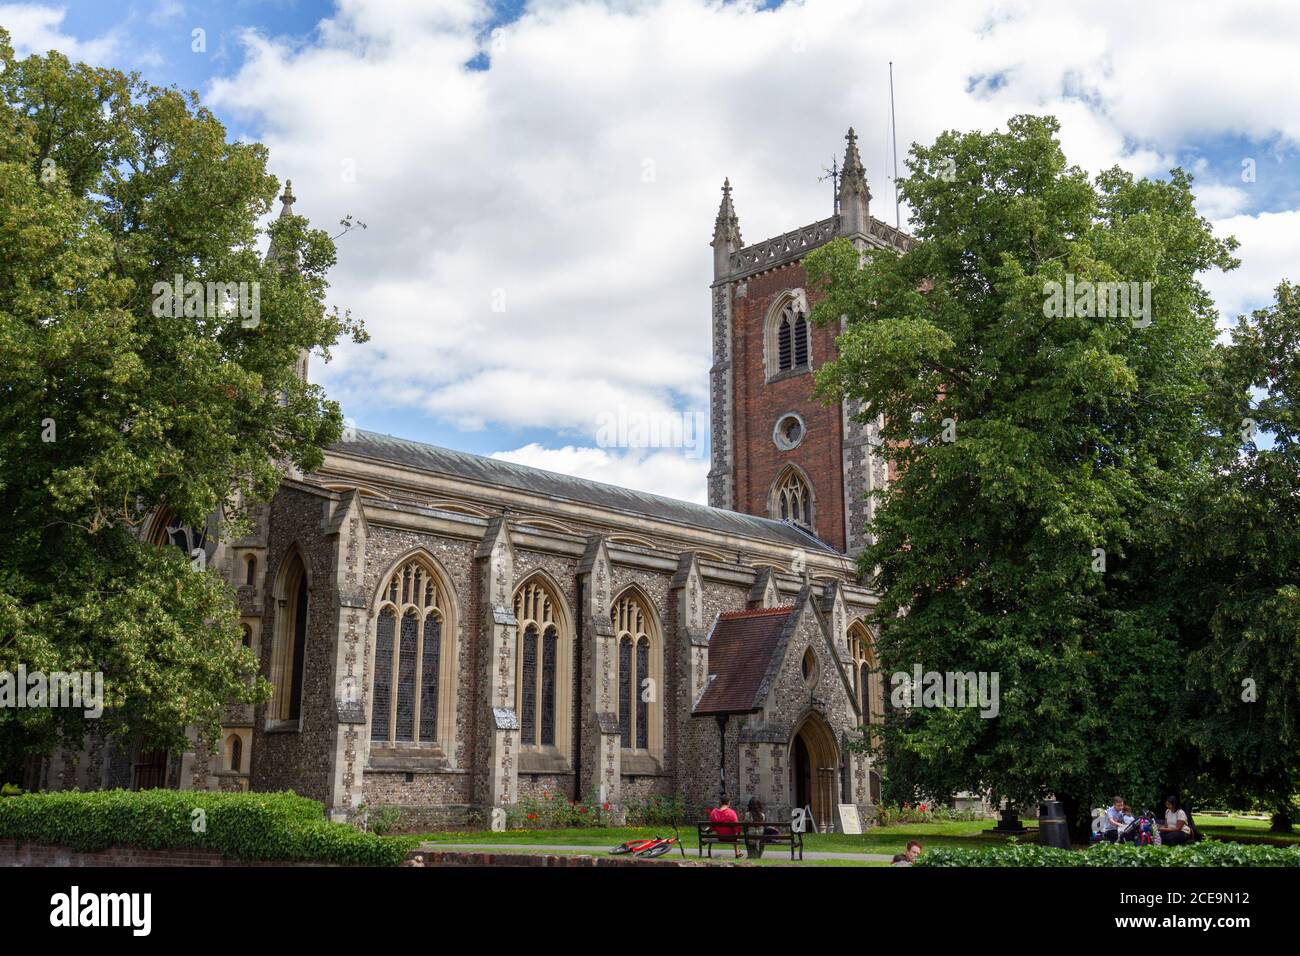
(722, 750)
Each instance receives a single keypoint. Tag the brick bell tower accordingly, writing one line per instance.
(776, 450)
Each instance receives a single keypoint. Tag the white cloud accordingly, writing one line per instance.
(659, 471)
(573, 185)
(1217, 201)
(36, 29)
(1269, 253)
(165, 11)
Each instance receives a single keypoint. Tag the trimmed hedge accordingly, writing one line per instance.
(241, 826)
(1205, 853)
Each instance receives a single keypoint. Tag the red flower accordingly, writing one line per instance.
(582, 809)
(921, 807)
(532, 816)
(546, 794)
(605, 807)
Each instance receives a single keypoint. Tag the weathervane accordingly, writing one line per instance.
(833, 174)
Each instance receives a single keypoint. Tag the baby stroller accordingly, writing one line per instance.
(1148, 834)
(1130, 830)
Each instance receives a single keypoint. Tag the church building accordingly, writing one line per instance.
(447, 633)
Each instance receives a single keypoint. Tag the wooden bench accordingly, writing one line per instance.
(750, 833)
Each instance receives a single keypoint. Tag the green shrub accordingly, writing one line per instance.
(1204, 853)
(659, 810)
(242, 826)
(553, 810)
(888, 816)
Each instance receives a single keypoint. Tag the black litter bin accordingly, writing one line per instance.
(1053, 829)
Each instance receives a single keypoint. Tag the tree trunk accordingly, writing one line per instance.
(1076, 819)
(1282, 820)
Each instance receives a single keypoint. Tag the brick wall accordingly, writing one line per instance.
(759, 404)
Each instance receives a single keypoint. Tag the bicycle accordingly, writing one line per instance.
(650, 847)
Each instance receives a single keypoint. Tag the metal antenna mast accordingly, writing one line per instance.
(833, 174)
(893, 135)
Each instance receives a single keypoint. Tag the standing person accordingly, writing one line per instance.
(1176, 829)
(725, 822)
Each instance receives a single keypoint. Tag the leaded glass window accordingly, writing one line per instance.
(625, 691)
(549, 649)
(794, 500)
(528, 700)
(429, 679)
(380, 719)
(408, 658)
(869, 690)
(638, 692)
(642, 705)
(540, 666)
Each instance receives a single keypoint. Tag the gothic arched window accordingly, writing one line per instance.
(236, 753)
(639, 661)
(792, 500)
(408, 657)
(868, 688)
(789, 340)
(290, 649)
(541, 668)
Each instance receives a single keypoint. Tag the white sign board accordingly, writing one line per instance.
(850, 822)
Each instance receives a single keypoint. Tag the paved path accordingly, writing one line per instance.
(773, 853)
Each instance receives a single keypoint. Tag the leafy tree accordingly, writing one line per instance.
(1242, 574)
(1037, 452)
(113, 406)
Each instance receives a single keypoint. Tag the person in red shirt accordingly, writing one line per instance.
(722, 815)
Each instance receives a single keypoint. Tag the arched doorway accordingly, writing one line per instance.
(814, 768)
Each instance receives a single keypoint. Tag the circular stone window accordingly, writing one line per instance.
(789, 431)
(809, 666)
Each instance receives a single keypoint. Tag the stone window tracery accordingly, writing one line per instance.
(408, 657)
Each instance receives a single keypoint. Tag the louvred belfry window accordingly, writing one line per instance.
(792, 339)
(408, 658)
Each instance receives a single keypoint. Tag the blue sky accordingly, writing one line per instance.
(539, 181)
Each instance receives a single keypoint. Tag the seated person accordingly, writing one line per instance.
(1117, 818)
(758, 815)
(1176, 829)
(721, 816)
(908, 856)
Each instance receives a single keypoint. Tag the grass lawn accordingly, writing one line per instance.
(886, 840)
(776, 857)
(1243, 830)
